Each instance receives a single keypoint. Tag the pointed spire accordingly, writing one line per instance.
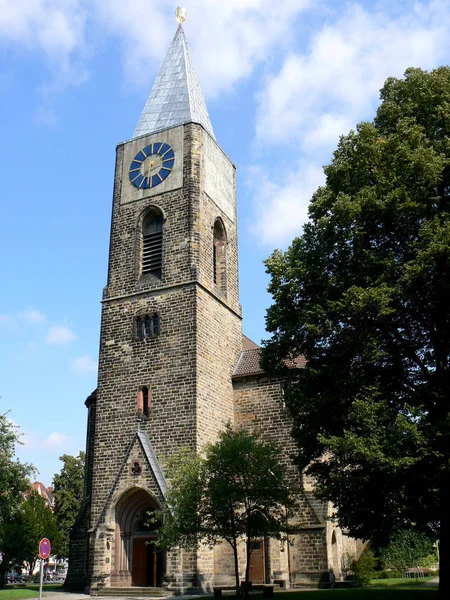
(176, 97)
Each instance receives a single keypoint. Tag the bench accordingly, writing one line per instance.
(267, 589)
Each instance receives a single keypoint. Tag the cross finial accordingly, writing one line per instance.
(180, 14)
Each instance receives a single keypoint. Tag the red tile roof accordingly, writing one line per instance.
(248, 361)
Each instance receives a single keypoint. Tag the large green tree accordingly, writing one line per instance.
(364, 294)
(68, 493)
(14, 482)
(235, 492)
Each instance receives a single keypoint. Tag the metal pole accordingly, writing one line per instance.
(40, 581)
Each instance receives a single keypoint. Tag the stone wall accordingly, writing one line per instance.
(259, 407)
(186, 367)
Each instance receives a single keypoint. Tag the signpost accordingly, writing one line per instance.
(44, 553)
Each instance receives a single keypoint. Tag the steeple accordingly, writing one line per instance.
(176, 97)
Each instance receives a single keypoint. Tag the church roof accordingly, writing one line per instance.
(176, 97)
(248, 361)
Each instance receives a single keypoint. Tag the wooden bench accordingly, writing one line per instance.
(267, 589)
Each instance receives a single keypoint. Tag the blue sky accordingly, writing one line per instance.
(282, 81)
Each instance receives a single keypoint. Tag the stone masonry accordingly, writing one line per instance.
(196, 371)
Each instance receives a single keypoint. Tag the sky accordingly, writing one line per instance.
(282, 81)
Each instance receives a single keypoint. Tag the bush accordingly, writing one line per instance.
(408, 549)
(363, 568)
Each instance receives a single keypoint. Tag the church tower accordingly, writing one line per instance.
(170, 332)
(174, 367)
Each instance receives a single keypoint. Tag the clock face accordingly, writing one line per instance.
(151, 165)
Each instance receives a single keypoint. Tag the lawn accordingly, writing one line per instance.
(388, 589)
(17, 593)
(31, 591)
(384, 589)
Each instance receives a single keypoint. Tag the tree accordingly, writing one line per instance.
(408, 549)
(34, 521)
(14, 482)
(237, 490)
(364, 294)
(68, 493)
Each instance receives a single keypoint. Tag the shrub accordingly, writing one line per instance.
(363, 568)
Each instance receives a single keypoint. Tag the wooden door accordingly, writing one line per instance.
(139, 569)
(257, 562)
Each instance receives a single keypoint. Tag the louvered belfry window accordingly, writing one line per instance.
(152, 239)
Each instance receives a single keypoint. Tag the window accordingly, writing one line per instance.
(147, 326)
(152, 241)
(219, 255)
(144, 401)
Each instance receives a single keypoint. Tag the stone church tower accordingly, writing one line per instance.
(174, 366)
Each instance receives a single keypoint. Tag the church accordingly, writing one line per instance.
(174, 366)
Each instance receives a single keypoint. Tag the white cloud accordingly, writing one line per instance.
(321, 94)
(32, 315)
(84, 364)
(339, 78)
(55, 27)
(56, 441)
(59, 335)
(282, 209)
(239, 34)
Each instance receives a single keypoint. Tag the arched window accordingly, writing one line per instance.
(152, 241)
(219, 256)
(145, 401)
(147, 326)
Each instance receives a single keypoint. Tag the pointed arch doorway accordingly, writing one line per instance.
(137, 561)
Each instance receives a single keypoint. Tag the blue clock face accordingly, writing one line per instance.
(151, 165)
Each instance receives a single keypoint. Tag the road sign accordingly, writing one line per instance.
(44, 548)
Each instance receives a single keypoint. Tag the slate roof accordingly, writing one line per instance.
(153, 461)
(176, 97)
(248, 361)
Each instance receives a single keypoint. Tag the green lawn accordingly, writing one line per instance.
(382, 589)
(387, 589)
(17, 593)
(31, 591)
(400, 582)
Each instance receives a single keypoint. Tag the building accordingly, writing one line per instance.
(174, 366)
(46, 493)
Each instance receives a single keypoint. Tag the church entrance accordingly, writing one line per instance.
(257, 562)
(147, 563)
(137, 560)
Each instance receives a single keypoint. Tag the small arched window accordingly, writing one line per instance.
(152, 242)
(147, 326)
(145, 401)
(219, 255)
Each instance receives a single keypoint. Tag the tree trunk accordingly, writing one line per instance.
(247, 566)
(236, 568)
(444, 541)
(3, 577)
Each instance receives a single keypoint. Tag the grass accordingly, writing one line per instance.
(30, 591)
(399, 582)
(17, 593)
(380, 589)
(383, 589)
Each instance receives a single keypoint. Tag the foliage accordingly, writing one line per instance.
(364, 294)
(33, 522)
(238, 489)
(68, 493)
(363, 568)
(14, 482)
(408, 549)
